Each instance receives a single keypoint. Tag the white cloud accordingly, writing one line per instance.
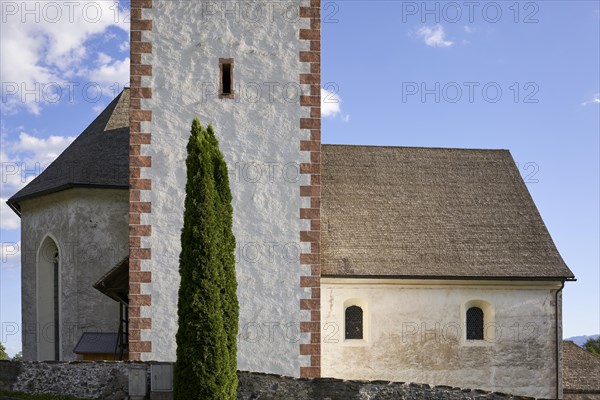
(468, 29)
(124, 46)
(43, 150)
(434, 36)
(595, 100)
(23, 159)
(331, 105)
(10, 252)
(53, 48)
(103, 58)
(8, 218)
(98, 108)
(110, 71)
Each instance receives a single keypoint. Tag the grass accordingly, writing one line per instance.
(36, 396)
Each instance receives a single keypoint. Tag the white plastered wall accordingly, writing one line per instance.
(416, 333)
(259, 135)
(78, 221)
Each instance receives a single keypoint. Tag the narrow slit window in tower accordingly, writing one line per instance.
(226, 80)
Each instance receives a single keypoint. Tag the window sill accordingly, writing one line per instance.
(355, 343)
(477, 343)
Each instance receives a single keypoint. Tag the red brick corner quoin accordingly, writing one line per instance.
(137, 161)
(312, 103)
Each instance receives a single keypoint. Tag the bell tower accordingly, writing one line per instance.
(252, 70)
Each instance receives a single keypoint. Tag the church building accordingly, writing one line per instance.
(424, 265)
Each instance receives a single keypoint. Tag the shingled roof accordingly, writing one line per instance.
(97, 343)
(99, 157)
(581, 370)
(432, 213)
(386, 211)
(115, 283)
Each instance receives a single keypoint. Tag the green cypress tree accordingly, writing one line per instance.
(227, 255)
(206, 359)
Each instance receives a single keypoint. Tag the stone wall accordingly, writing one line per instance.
(110, 381)
(86, 380)
(253, 386)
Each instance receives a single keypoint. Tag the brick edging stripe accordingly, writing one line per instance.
(312, 103)
(137, 161)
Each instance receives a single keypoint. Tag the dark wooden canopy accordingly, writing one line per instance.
(115, 283)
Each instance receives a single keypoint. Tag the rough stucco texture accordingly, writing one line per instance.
(78, 220)
(412, 335)
(259, 135)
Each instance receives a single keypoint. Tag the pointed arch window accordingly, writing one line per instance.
(354, 322)
(475, 319)
(48, 301)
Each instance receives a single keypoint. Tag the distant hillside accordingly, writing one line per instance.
(580, 340)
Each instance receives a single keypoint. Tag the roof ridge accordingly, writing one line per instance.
(412, 147)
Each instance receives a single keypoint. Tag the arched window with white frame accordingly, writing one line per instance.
(479, 322)
(48, 301)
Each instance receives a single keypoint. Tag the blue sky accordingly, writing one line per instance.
(520, 76)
